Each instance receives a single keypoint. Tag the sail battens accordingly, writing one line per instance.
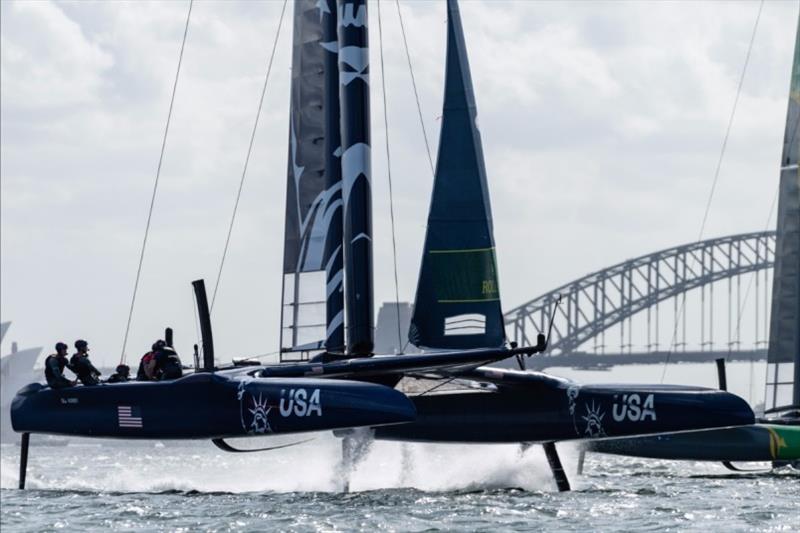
(458, 277)
(312, 302)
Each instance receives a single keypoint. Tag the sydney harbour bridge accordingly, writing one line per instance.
(689, 303)
(693, 302)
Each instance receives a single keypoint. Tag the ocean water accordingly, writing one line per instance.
(191, 486)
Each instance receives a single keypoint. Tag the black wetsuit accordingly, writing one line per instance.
(117, 378)
(54, 367)
(84, 369)
(168, 364)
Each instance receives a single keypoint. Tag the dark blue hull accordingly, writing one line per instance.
(207, 406)
(533, 407)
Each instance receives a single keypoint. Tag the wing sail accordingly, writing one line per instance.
(312, 242)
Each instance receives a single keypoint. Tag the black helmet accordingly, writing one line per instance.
(123, 369)
(158, 345)
(61, 346)
(80, 344)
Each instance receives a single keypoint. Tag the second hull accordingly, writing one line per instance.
(760, 442)
(538, 408)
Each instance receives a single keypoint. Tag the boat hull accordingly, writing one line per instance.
(539, 408)
(760, 442)
(207, 405)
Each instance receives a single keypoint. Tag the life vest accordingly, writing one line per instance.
(53, 379)
(84, 369)
(147, 366)
(62, 364)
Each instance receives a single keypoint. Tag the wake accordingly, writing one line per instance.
(198, 467)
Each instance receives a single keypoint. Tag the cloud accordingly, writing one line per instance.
(48, 64)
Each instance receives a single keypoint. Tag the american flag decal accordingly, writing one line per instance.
(129, 417)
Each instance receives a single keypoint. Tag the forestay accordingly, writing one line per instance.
(458, 297)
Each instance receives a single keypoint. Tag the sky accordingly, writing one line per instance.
(601, 123)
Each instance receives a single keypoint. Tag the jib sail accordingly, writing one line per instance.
(312, 316)
(783, 357)
(458, 297)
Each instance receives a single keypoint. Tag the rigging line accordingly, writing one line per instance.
(247, 158)
(261, 356)
(440, 385)
(414, 84)
(155, 184)
(730, 123)
(389, 174)
(715, 180)
(405, 346)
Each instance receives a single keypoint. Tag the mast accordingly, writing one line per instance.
(458, 299)
(334, 264)
(783, 356)
(356, 174)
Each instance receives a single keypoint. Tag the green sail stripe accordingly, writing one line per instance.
(465, 277)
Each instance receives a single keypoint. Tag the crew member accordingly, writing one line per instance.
(168, 364)
(82, 366)
(122, 374)
(54, 367)
(147, 365)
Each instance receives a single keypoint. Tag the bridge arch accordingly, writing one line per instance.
(592, 304)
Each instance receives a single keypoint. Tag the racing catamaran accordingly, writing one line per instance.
(328, 301)
(458, 302)
(220, 403)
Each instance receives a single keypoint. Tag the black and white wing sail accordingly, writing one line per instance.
(312, 316)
